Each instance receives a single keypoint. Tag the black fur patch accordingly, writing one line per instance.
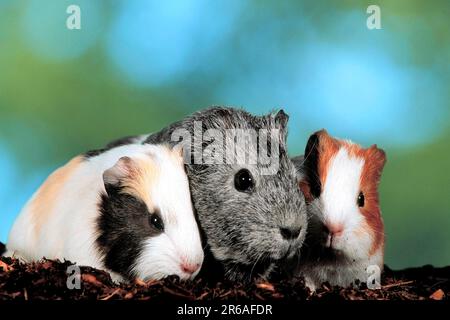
(2, 249)
(311, 165)
(123, 226)
(111, 145)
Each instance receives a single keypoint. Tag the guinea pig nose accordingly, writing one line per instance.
(335, 229)
(189, 267)
(290, 233)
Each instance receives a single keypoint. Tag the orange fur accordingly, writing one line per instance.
(42, 203)
(328, 147)
(375, 160)
(141, 175)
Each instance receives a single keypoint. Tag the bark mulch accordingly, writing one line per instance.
(47, 280)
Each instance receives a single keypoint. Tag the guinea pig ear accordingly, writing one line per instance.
(281, 122)
(306, 190)
(311, 186)
(376, 157)
(281, 119)
(124, 168)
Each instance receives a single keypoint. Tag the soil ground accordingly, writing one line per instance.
(47, 280)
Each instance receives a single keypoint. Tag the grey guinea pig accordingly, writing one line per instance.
(249, 220)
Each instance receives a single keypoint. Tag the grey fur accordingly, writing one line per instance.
(242, 229)
(298, 164)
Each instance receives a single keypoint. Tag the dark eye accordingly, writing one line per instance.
(243, 181)
(156, 222)
(361, 200)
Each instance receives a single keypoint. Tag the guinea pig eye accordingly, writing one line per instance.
(361, 200)
(243, 181)
(156, 222)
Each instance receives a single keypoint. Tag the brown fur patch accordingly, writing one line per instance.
(328, 148)
(139, 175)
(142, 174)
(42, 203)
(375, 160)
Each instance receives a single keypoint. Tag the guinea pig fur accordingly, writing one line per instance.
(127, 211)
(346, 235)
(248, 231)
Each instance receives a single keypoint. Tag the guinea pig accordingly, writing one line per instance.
(346, 235)
(250, 221)
(127, 211)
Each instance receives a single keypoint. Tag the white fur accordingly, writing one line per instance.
(338, 205)
(70, 231)
(339, 202)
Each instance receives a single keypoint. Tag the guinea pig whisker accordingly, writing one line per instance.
(254, 265)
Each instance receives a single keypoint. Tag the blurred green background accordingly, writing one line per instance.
(135, 66)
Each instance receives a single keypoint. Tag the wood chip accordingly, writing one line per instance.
(225, 294)
(266, 286)
(47, 264)
(438, 295)
(398, 284)
(89, 278)
(259, 297)
(140, 282)
(148, 284)
(111, 295)
(278, 296)
(203, 295)
(5, 267)
(129, 296)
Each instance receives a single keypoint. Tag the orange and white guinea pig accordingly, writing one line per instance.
(127, 210)
(346, 235)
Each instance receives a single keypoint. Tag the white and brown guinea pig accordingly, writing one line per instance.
(346, 235)
(127, 211)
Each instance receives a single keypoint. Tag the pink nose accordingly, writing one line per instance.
(189, 267)
(335, 229)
